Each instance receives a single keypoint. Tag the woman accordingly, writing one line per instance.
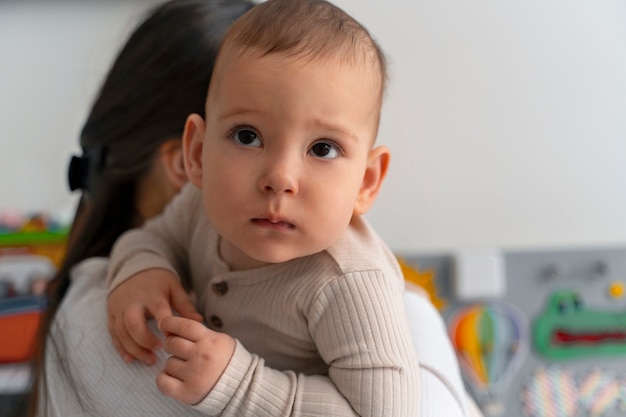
(130, 168)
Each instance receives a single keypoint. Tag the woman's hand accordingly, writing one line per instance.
(150, 293)
(199, 358)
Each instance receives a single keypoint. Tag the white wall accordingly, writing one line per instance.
(53, 56)
(507, 120)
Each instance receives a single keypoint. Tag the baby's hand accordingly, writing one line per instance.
(150, 293)
(199, 357)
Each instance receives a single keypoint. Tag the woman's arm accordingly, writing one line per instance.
(442, 390)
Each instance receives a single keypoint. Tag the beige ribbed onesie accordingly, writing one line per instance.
(322, 335)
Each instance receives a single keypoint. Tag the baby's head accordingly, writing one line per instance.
(286, 157)
(310, 31)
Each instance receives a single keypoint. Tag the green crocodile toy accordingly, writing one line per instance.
(567, 330)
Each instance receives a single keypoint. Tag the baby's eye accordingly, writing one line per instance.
(327, 150)
(246, 137)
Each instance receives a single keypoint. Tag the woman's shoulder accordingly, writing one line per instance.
(88, 269)
(88, 286)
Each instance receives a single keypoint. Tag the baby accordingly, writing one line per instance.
(303, 300)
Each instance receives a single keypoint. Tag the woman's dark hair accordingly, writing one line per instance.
(160, 76)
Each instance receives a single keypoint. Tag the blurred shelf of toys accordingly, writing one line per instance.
(32, 247)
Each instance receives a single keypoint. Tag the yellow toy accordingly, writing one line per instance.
(425, 280)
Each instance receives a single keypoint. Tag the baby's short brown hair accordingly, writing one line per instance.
(308, 29)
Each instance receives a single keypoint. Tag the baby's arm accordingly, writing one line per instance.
(143, 277)
(359, 326)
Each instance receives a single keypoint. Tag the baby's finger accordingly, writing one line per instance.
(176, 368)
(183, 327)
(116, 342)
(171, 386)
(179, 347)
(182, 381)
(131, 347)
(183, 305)
(137, 327)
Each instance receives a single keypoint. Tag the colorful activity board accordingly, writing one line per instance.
(537, 334)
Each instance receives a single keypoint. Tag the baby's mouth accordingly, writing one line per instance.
(274, 224)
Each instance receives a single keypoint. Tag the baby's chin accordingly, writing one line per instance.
(255, 252)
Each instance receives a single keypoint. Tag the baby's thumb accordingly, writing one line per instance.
(181, 302)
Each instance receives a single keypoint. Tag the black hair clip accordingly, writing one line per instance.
(77, 173)
(83, 169)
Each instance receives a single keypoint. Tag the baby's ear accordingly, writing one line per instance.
(193, 139)
(375, 172)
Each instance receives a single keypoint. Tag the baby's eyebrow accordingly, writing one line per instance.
(236, 111)
(335, 129)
